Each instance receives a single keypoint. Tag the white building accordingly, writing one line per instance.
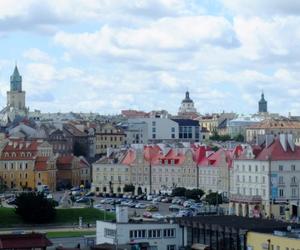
(156, 235)
(267, 179)
(158, 129)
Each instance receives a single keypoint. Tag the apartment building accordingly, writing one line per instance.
(267, 179)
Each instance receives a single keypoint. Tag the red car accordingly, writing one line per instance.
(147, 215)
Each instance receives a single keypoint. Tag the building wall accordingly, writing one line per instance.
(16, 177)
(16, 99)
(108, 136)
(159, 129)
(258, 241)
(123, 234)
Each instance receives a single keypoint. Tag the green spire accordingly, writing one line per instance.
(16, 81)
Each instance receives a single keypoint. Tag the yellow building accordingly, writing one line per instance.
(280, 240)
(26, 164)
(108, 136)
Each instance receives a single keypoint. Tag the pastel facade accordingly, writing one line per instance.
(266, 179)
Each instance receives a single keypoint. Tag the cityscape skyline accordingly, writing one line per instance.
(114, 55)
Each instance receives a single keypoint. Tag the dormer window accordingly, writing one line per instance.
(22, 154)
(13, 154)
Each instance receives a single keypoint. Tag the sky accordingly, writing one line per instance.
(107, 55)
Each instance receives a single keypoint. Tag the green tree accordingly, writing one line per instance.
(129, 188)
(194, 193)
(35, 208)
(239, 138)
(213, 198)
(179, 191)
(79, 149)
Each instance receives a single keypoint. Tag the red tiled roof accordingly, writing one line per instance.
(276, 152)
(65, 159)
(129, 157)
(24, 241)
(41, 163)
(20, 148)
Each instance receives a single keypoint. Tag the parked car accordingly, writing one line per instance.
(184, 213)
(166, 199)
(83, 200)
(11, 201)
(152, 208)
(147, 215)
(174, 208)
(157, 216)
(89, 194)
(99, 206)
(140, 205)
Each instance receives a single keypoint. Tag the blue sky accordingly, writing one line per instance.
(108, 55)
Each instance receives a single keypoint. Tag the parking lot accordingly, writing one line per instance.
(138, 206)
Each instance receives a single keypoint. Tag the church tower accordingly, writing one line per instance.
(16, 97)
(262, 104)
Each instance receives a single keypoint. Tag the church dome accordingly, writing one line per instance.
(187, 98)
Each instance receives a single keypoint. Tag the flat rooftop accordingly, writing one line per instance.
(237, 222)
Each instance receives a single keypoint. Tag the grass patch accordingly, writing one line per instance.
(69, 216)
(89, 215)
(8, 217)
(69, 234)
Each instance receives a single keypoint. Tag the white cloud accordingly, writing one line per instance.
(36, 55)
(263, 7)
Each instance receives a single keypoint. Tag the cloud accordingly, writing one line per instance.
(37, 55)
(263, 7)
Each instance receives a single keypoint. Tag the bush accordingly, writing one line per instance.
(179, 191)
(35, 208)
(194, 193)
(211, 198)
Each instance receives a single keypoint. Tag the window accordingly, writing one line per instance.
(153, 123)
(155, 233)
(109, 233)
(293, 167)
(153, 136)
(281, 192)
(256, 168)
(280, 180)
(293, 180)
(169, 233)
(137, 234)
(171, 247)
(280, 168)
(249, 168)
(294, 192)
(173, 130)
(153, 130)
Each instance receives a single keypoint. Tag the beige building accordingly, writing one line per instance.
(27, 164)
(108, 136)
(273, 126)
(210, 122)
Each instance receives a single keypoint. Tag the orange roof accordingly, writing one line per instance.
(41, 163)
(65, 159)
(129, 157)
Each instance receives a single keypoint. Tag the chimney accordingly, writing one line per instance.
(269, 140)
(283, 142)
(291, 141)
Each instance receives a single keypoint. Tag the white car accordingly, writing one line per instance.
(157, 216)
(140, 205)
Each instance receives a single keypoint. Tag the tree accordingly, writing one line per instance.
(79, 149)
(211, 198)
(129, 188)
(35, 208)
(239, 138)
(179, 191)
(194, 193)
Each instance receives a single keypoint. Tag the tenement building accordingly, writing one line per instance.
(266, 179)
